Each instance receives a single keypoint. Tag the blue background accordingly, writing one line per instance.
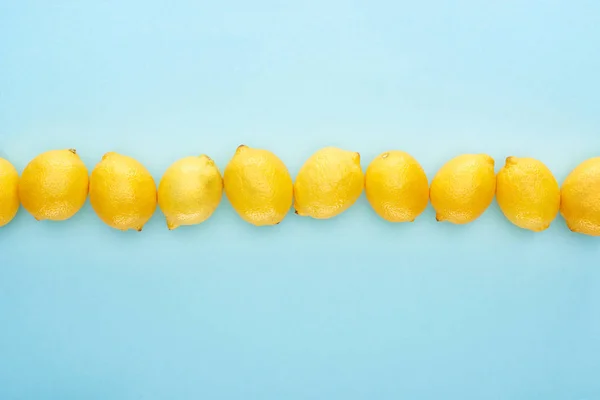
(348, 308)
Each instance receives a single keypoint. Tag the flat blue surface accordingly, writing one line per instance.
(349, 308)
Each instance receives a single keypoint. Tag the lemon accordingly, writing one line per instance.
(396, 186)
(463, 188)
(328, 183)
(190, 191)
(122, 192)
(580, 198)
(9, 192)
(527, 193)
(54, 185)
(258, 186)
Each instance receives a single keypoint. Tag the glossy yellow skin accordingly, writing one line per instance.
(527, 193)
(122, 192)
(463, 188)
(9, 192)
(190, 191)
(328, 183)
(580, 198)
(396, 186)
(54, 185)
(258, 186)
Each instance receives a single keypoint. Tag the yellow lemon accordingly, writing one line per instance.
(527, 193)
(328, 183)
(396, 186)
(122, 192)
(580, 198)
(463, 188)
(54, 185)
(190, 191)
(258, 186)
(9, 192)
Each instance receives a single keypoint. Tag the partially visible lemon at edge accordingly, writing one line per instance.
(9, 192)
(580, 198)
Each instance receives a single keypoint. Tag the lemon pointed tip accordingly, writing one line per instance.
(489, 159)
(172, 226)
(510, 160)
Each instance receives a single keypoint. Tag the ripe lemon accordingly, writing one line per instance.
(328, 183)
(258, 186)
(580, 198)
(396, 186)
(54, 185)
(527, 193)
(122, 192)
(190, 191)
(463, 188)
(9, 192)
